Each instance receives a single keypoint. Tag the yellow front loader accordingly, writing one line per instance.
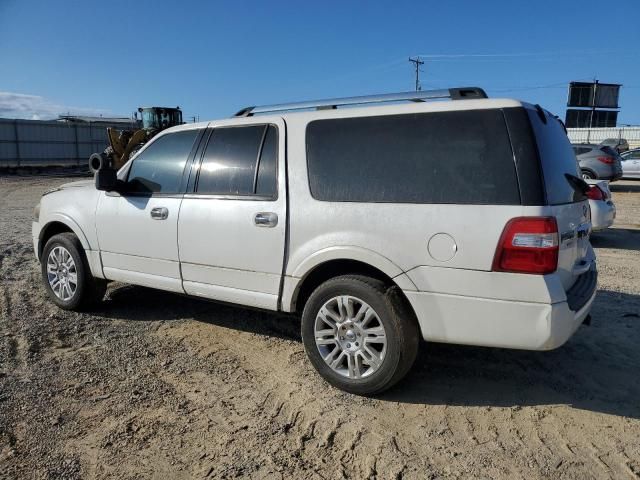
(123, 144)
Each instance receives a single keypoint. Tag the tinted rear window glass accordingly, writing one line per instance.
(229, 163)
(266, 179)
(581, 150)
(609, 151)
(444, 157)
(557, 159)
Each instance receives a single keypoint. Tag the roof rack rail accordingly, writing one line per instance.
(419, 96)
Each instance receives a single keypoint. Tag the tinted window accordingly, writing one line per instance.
(445, 157)
(160, 166)
(229, 163)
(609, 151)
(557, 159)
(581, 150)
(266, 180)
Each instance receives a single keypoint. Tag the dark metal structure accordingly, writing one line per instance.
(594, 104)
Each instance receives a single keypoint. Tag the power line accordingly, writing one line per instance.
(523, 54)
(417, 62)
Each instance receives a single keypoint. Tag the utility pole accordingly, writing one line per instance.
(417, 62)
(593, 102)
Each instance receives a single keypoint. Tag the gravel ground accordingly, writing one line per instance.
(155, 385)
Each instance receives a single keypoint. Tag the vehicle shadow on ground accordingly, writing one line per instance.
(130, 302)
(620, 238)
(625, 187)
(596, 370)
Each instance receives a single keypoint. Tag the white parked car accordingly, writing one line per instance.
(631, 163)
(459, 222)
(603, 210)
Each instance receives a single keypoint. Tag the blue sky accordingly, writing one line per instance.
(212, 58)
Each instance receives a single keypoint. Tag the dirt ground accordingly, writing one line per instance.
(156, 385)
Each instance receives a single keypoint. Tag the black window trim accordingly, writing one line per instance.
(192, 187)
(182, 187)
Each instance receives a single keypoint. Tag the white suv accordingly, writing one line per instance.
(461, 221)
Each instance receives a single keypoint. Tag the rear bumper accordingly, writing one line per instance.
(503, 323)
(602, 214)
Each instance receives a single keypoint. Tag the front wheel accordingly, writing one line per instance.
(66, 274)
(359, 334)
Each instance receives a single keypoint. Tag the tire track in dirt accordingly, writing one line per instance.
(518, 434)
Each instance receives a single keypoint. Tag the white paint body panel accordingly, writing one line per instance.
(73, 205)
(224, 254)
(132, 243)
(495, 323)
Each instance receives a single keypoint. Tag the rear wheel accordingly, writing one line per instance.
(359, 334)
(66, 274)
(588, 175)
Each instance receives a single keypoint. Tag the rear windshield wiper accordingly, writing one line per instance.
(578, 184)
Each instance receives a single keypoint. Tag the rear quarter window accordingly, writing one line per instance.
(557, 159)
(461, 157)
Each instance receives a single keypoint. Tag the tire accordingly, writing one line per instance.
(96, 161)
(363, 365)
(588, 175)
(62, 258)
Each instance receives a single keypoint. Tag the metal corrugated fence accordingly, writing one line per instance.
(51, 143)
(597, 135)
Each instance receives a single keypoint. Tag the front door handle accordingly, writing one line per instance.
(159, 213)
(266, 219)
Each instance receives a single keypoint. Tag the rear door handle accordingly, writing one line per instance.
(159, 213)
(266, 219)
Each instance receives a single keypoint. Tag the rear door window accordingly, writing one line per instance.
(240, 161)
(557, 159)
(459, 157)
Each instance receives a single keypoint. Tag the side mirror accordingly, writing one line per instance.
(106, 179)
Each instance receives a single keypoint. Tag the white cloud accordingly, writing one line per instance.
(34, 107)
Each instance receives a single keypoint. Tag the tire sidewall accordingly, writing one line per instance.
(71, 244)
(383, 307)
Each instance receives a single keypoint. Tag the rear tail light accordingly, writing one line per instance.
(528, 245)
(608, 160)
(596, 193)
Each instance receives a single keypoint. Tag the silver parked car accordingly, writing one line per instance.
(598, 162)
(631, 164)
(618, 144)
